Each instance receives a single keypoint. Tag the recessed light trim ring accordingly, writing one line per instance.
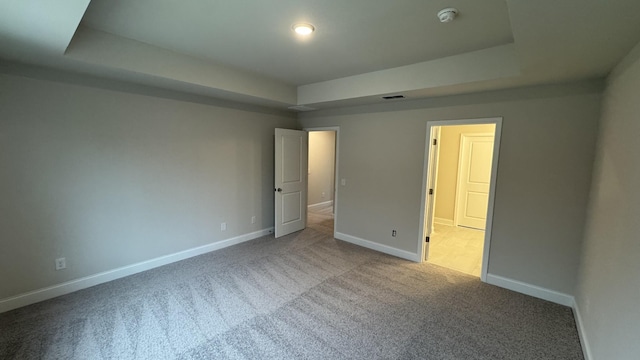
(303, 28)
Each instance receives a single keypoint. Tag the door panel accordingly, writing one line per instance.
(290, 181)
(481, 151)
(476, 152)
(291, 157)
(476, 206)
(291, 206)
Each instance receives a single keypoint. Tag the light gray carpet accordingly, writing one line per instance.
(304, 296)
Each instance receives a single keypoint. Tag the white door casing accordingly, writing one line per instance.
(291, 157)
(474, 178)
(430, 191)
(494, 175)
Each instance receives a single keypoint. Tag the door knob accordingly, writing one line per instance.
(279, 190)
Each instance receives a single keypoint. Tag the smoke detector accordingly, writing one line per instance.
(447, 15)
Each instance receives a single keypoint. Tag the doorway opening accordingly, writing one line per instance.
(322, 188)
(459, 189)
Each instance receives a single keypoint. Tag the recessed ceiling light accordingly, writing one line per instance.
(303, 28)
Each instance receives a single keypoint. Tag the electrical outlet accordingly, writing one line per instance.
(393, 233)
(223, 226)
(253, 219)
(324, 194)
(61, 263)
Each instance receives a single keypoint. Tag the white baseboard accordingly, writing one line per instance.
(532, 290)
(549, 295)
(443, 221)
(320, 205)
(35, 296)
(586, 349)
(378, 247)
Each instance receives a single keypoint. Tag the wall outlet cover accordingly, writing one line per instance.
(61, 263)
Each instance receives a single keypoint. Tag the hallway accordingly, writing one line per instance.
(457, 248)
(321, 218)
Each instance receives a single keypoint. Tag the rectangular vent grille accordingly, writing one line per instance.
(389, 97)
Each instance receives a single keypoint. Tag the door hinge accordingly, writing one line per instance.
(435, 141)
(430, 191)
(426, 239)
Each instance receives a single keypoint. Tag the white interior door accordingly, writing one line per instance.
(432, 176)
(291, 147)
(474, 178)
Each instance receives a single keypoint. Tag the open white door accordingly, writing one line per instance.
(290, 181)
(432, 175)
(474, 178)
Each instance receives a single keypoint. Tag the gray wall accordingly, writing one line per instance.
(543, 180)
(608, 294)
(108, 178)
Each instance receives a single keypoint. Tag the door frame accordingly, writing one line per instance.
(432, 183)
(492, 187)
(456, 207)
(335, 171)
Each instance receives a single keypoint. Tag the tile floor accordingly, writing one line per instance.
(457, 248)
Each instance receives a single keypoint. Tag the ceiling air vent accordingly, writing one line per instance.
(390, 97)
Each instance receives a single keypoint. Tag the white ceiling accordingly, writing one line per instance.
(244, 50)
(352, 37)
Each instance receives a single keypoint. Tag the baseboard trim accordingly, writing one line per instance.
(549, 295)
(378, 247)
(443, 221)
(531, 290)
(50, 292)
(319, 205)
(586, 349)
